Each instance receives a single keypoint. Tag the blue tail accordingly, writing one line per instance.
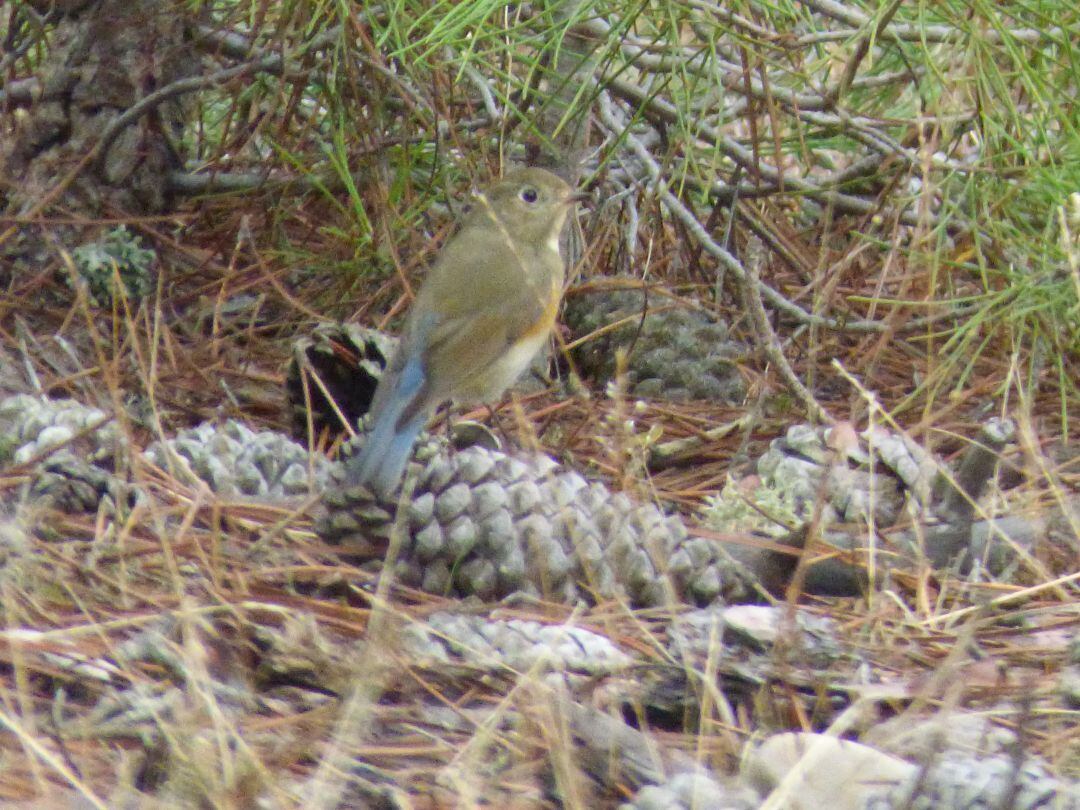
(388, 446)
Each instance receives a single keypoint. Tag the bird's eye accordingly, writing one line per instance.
(530, 194)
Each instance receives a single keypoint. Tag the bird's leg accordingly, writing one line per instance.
(442, 417)
(493, 417)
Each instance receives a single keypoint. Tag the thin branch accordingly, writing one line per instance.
(170, 91)
(862, 49)
(664, 110)
(767, 338)
(697, 230)
(903, 32)
(20, 92)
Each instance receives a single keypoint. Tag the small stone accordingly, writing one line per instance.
(833, 773)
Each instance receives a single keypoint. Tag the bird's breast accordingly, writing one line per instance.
(502, 373)
(508, 366)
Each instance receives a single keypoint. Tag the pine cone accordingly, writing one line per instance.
(80, 472)
(70, 484)
(799, 469)
(31, 425)
(500, 644)
(234, 460)
(675, 353)
(798, 472)
(877, 477)
(484, 523)
(348, 361)
(956, 779)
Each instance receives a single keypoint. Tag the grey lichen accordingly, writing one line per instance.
(117, 255)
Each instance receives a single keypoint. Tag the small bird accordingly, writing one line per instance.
(484, 311)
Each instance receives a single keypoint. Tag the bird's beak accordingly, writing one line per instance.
(577, 197)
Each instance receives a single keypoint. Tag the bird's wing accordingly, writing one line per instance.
(461, 348)
(485, 295)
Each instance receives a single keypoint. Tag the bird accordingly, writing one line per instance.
(486, 307)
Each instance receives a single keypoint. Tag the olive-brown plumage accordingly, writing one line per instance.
(484, 311)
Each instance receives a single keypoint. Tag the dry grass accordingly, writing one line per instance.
(262, 675)
(213, 653)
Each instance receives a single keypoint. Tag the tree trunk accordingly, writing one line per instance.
(102, 58)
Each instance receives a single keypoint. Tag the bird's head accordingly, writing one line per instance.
(530, 204)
